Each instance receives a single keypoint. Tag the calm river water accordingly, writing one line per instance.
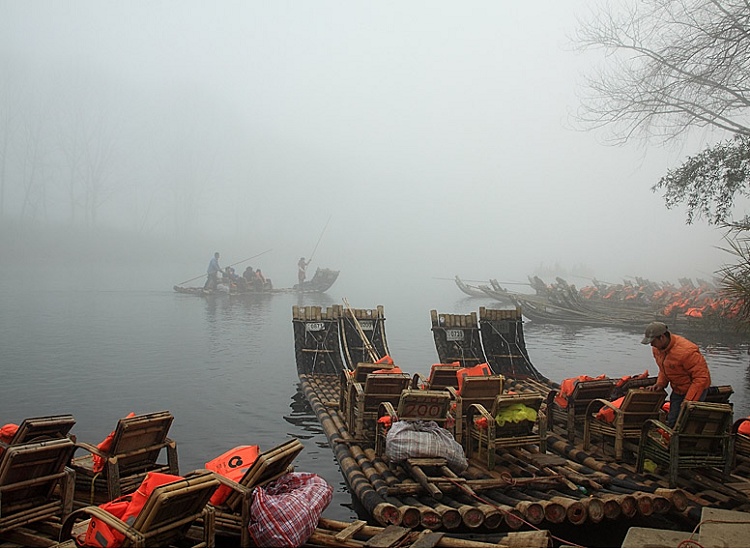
(99, 343)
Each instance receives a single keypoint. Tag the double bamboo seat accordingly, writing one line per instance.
(233, 516)
(638, 405)
(137, 444)
(35, 483)
(166, 517)
(486, 434)
(573, 414)
(700, 438)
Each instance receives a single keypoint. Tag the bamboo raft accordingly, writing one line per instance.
(526, 490)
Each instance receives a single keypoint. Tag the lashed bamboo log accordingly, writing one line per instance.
(677, 497)
(594, 508)
(472, 516)
(325, 535)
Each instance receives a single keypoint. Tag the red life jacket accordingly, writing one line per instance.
(233, 464)
(126, 508)
(744, 427)
(385, 360)
(7, 432)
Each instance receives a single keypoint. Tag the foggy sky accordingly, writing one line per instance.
(435, 136)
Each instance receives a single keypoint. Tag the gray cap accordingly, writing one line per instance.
(653, 330)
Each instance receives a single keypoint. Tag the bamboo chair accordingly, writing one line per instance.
(741, 449)
(638, 406)
(719, 394)
(414, 404)
(169, 513)
(510, 434)
(233, 515)
(41, 428)
(441, 377)
(136, 447)
(578, 401)
(35, 483)
(632, 384)
(700, 438)
(475, 390)
(367, 397)
(359, 374)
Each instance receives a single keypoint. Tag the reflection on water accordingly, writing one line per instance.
(224, 365)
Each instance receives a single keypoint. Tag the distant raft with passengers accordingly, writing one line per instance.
(238, 286)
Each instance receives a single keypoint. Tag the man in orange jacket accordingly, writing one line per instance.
(681, 365)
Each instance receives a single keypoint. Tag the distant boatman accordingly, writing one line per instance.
(213, 273)
(681, 365)
(301, 273)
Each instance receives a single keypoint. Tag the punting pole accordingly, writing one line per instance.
(365, 341)
(321, 236)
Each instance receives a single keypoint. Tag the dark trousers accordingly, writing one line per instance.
(211, 282)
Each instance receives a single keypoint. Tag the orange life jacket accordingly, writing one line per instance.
(608, 415)
(7, 432)
(482, 369)
(744, 427)
(126, 508)
(233, 464)
(385, 360)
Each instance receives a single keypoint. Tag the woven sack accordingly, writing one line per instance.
(284, 513)
(420, 439)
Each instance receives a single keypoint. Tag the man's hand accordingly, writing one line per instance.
(654, 387)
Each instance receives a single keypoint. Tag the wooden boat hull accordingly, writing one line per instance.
(321, 282)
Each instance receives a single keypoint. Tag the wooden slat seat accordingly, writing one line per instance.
(41, 428)
(490, 435)
(573, 414)
(638, 406)
(475, 390)
(367, 397)
(136, 448)
(359, 374)
(440, 378)
(233, 516)
(35, 483)
(700, 438)
(166, 517)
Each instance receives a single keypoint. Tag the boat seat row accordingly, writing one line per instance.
(43, 482)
